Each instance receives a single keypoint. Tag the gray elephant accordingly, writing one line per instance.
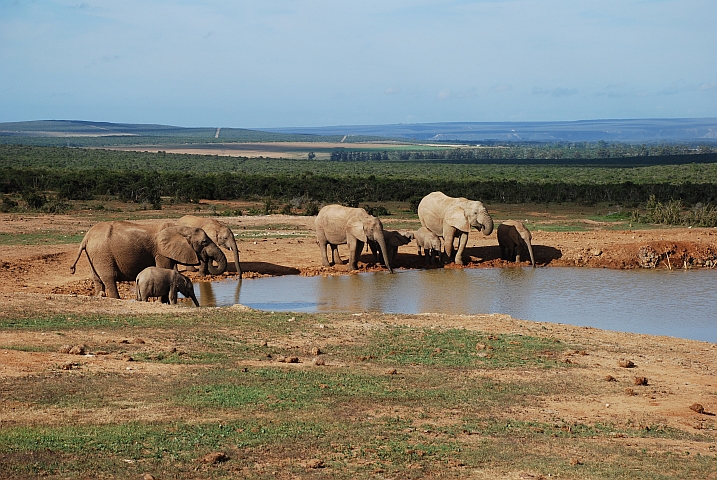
(513, 239)
(448, 217)
(393, 240)
(163, 283)
(118, 251)
(219, 233)
(429, 244)
(338, 225)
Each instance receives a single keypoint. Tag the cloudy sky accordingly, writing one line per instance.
(280, 63)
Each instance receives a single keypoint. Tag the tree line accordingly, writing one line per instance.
(150, 186)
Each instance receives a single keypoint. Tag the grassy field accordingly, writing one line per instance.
(385, 400)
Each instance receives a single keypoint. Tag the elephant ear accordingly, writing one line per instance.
(174, 245)
(356, 229)
(456, 218)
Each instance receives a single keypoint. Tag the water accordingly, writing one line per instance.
(659, 302)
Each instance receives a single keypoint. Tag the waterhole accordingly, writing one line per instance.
(658, 302)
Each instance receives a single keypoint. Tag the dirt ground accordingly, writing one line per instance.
(680, 372)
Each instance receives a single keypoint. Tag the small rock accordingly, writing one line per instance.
(610, 378)
(316, 351)
(640, 380)
(393, 371)
(138, 340)
(65, 348)
(214, 458)
(127, 358)
(697, 408)
(315, 463)
(575, 461)
(147, 476)
(626, 363)
(319, 361)
(281, 359)
(77, 350)
(292, 359)
(630, 392)
(480, 346)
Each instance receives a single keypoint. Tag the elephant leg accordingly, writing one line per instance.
(335, 256)
(355, 248)
(462, 241)
(322, 242)
(99, 286)
(448, 245)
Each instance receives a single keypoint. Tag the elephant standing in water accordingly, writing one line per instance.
(448, 217)
(163, 283)
(513, 238)
(220, 234)
(338, 225)
(118, 251)
(393, 240)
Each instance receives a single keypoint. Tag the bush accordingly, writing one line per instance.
(8, 205)
(34, 199)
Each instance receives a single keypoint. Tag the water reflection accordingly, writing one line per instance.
(661, 302)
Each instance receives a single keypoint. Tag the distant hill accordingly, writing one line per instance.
(657, 130)
(86, 133)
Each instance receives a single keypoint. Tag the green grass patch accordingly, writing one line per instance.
(458, 348)
(39, 238)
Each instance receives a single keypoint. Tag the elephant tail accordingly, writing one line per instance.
(83, 248)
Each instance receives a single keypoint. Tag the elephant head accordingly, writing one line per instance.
(369, 229)
(465, 214)
(221, 234)
(187, 246)
(185, 287)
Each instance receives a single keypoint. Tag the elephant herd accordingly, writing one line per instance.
(121, 251)
(149, 253)
(443, 218)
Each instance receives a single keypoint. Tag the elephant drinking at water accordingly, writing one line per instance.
(338, 225)
(513, 238)
(118, 251)
(219, 233)
(448, 217)
(163, 283)
(393, 240)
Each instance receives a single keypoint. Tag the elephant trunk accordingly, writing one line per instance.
(235, 251)
(215, 254)
(382, 243)
(487, 222)
(530, 251)
(193, 296)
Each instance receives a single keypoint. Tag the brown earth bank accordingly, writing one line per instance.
(679, 373)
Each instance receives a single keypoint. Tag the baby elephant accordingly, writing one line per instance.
(164, 283)
(394, 240)
(428, 244)
(513, 238)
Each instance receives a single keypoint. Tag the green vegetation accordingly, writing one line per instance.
(47, 177)
(392, 399)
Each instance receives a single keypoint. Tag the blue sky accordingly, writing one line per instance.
(278, 63)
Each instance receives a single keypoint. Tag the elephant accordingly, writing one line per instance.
(428, 244)
(220, 234)
(513, 238)
(393, 240)
(164, 283)
(118, 251)
(448, 216)
(338, 225)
